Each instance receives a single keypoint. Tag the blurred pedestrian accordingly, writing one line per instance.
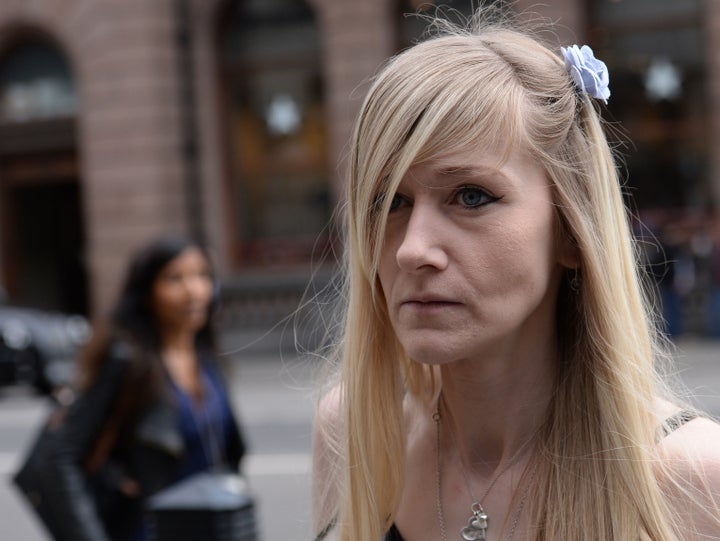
(497, 363)
(152, 407)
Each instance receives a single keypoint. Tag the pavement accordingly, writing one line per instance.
(274, 399)
(696, 369)
(274, 395)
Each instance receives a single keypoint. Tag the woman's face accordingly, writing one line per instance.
(182, 292)
(470, 263)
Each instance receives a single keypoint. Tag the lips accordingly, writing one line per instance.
(429, 301)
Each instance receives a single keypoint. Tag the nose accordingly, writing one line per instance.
(422, 244)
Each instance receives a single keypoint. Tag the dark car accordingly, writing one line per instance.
(38, 348)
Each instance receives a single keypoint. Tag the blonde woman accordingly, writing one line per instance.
(498, 363)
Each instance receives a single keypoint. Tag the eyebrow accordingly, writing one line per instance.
(470, 171)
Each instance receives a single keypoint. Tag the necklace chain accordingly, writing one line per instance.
(478, 523)
(438, 477)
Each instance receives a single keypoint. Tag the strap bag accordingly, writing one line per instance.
(30, 479)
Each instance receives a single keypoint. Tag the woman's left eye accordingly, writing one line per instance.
(472, 197)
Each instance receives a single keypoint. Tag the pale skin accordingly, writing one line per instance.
(470, 268)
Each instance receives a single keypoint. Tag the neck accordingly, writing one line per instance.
(181, 363)
(177, 342)
(495, 406)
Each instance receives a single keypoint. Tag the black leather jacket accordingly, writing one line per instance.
(93, 506)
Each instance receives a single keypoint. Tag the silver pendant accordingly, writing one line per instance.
(477, 526)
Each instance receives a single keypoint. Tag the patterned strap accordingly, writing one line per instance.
(326, 530)
(674, 422)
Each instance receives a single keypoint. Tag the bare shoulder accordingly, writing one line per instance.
(698, 439)
(691, 454)
(325, 474)
(327, 419)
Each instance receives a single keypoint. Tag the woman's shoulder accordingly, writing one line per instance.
(326, 431)
(325, 478)
(691, 438)
(690, 451)
(327, 412)
(686, 430)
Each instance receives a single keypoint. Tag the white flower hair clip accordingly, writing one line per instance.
(589, 74)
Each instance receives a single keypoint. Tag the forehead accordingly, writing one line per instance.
(190, 257)
(512, 168)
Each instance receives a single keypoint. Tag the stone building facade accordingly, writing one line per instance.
(226, 119)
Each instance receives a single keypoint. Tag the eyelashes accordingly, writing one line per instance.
(468, 197)
(473, 197)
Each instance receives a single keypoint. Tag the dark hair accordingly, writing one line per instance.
(132, 320)
(133, 316)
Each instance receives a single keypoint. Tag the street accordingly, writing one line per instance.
(274, 397)
(274, 400)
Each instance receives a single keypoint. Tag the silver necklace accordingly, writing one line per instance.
(476, 530)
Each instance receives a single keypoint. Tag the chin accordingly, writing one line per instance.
(431, 355)
(435, 348)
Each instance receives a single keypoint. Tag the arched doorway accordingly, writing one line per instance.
(41, 229)
(275, 128)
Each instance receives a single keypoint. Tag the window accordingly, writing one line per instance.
(273, 89)
(35, 83)
(655, 53)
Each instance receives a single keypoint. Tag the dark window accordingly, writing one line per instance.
(276, 130)
(35, 83)
(655, 53)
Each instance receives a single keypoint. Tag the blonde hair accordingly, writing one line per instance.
(499, 87)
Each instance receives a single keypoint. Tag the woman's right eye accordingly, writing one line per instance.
(396, 202)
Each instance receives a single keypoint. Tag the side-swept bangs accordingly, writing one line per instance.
(444, 94)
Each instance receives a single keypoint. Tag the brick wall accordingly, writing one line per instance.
(125, 64)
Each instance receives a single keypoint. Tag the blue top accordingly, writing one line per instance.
(205, 425)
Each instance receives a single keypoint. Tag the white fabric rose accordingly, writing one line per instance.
(589, 74)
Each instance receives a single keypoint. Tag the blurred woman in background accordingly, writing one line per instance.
(152, 408)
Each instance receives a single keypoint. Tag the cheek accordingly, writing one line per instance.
(523, 254)
(387, 266)
(165, 303)
(205, 292)
(384, 277)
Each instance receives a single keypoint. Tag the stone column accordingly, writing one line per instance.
(129, 133)
(357, 38)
